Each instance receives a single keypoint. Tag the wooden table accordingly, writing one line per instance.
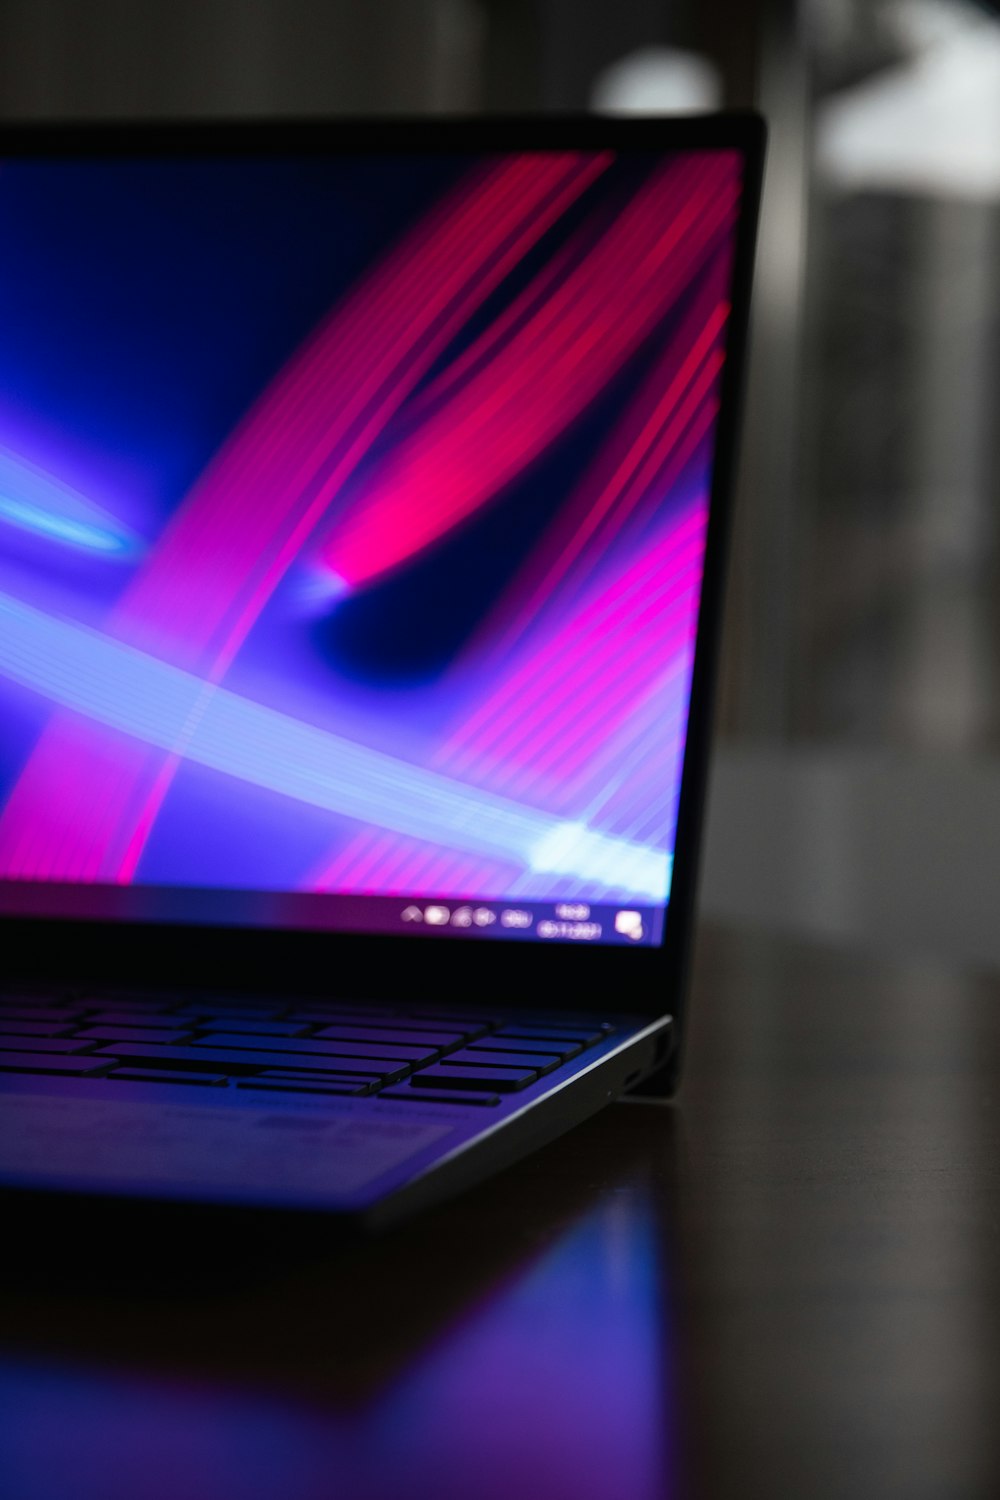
(786, 1286)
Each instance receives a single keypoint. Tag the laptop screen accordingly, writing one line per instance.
(352, 517)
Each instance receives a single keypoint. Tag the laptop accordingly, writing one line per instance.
(363, 503)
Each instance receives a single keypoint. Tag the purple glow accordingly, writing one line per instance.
(539, 753)
(559, 1368)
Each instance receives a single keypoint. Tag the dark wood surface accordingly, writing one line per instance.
(787, 1285)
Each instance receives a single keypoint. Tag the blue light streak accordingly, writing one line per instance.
(36, 502)
(159, 704)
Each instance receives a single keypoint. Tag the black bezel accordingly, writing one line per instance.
(642, 979)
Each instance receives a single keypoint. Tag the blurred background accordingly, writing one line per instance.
(856, 783)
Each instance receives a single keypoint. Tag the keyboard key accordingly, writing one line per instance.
(502, 1080)
(318, 1086)
(317, 1010)
(393, 1052)
(353, 1075)
(551, 1034)
(155, 1037)
(249, 1062)
(167, 1075)
(43, 1044)
(552, 1027)
(144, 1020)
(35, 1062)
(496, 1044)
(216, 1015)
(473, 1025)
(432, 1040)
(43, 1016)
(471, 1058)
(437, 1096)
(227, 1026)
(419, 1028)
(576, 1024)
(31, 1028)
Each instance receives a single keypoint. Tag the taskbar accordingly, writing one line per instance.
(537, 921)
(570, 921)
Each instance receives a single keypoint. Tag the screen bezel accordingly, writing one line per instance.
(644, 979)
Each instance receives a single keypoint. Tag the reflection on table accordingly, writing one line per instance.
(786, 1285)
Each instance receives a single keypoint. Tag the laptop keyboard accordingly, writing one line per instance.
(290, 1047)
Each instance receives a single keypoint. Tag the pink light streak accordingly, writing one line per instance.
(657, 439)
(578, 725)
(86, 801)
(543, 724)
(537, 676)
(540, 380)
(660, 434)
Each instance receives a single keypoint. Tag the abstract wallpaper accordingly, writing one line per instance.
(352, 514)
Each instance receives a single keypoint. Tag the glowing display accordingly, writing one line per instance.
(419, 451)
